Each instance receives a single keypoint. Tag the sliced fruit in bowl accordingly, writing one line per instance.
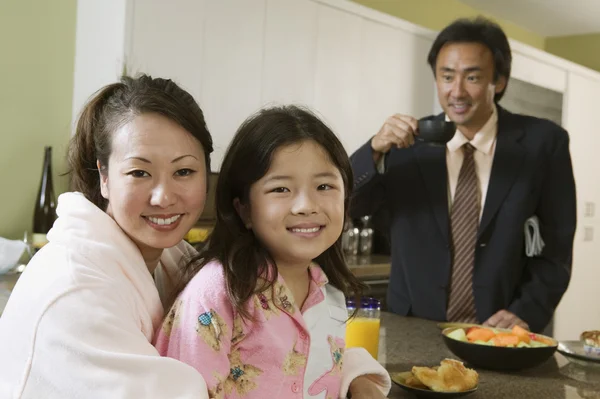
(518, 337)
(499, 349)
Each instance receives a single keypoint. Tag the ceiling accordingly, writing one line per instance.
(545, 17)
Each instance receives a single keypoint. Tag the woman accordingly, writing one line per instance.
(81, 318)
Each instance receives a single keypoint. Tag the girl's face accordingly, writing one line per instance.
(155, 183)
(297, 208)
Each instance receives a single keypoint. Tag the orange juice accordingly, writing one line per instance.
(363, 332)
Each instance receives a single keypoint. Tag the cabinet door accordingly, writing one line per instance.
(337, 82)
(395, 78)
(166, 42)
(290, 52)
(538, 73)
(99, 48)
(417, 98)
(578, 311)
(231, 67)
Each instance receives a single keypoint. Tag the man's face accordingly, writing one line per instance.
(465, 83)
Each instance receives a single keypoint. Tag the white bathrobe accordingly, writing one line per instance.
(81, 318)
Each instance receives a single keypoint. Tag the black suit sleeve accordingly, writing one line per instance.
(547, 276)
(369, 192)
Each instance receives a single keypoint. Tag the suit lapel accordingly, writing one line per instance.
(432, 163)
(508, 158)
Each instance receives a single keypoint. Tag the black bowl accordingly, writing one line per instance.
(496, 357)
(435, 131)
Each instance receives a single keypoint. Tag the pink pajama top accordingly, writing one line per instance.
(284, 353)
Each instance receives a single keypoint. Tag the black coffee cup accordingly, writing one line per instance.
(435, 131)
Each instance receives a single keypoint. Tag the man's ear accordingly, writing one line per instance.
(243, 212)
(500, 84)
(103, 180)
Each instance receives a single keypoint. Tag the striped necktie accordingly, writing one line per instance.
(464, 222)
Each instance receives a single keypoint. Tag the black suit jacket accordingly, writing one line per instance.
(531, 175)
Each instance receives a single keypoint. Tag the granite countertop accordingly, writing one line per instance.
(409, 341)
(370, 267)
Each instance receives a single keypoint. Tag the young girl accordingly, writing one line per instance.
(263, 314)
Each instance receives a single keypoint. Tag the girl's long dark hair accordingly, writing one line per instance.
(247, 160)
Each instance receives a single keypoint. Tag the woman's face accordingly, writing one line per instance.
(155, 183)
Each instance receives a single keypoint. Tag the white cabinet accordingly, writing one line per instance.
(579, 309)
(338, 72)
(380, 92)
(394, 78)
(539, 73)
(165, 42)
(235, 56)
(416, 97)
(213, 49)
(99, 47)
(231, 67)
(290, 52)
(366, 72)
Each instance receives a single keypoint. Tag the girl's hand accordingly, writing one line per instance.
(363, 388)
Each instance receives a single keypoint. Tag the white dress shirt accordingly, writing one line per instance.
(484, 143)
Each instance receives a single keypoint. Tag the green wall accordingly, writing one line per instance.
(436, 14)
(582, 49)
(37, 50)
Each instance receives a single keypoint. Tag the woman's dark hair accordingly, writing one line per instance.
(478, 30)
(114, 106)
(245, 261)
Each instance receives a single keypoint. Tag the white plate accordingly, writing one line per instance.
(573, 350)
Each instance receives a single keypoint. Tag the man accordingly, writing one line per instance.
(457, 212)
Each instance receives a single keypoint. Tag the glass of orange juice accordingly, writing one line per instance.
(362, 330)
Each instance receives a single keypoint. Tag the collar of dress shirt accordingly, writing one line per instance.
(483, 140)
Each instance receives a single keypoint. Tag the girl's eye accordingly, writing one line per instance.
(185, 172)
(280, 190)
(138, 173)
(324, 187)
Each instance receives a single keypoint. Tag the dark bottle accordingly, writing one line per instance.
(45, 204)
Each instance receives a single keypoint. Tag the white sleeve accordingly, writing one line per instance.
(89, 344)
(358, 362)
